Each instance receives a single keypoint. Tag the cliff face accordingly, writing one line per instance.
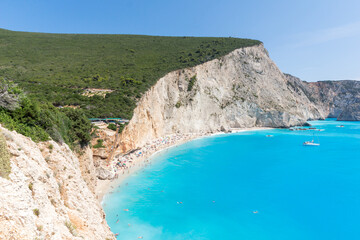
(338, 99)
(45, 196)
(242, 89)
(350, 113)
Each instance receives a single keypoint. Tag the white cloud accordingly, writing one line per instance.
(329, 34)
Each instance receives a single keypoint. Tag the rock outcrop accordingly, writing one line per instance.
(350, 113)
(337, 99)
(45, 196)
(242, 89)
(8, 100)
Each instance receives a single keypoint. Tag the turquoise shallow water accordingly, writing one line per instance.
(300, 192)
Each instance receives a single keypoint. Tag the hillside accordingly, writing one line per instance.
(57, 68)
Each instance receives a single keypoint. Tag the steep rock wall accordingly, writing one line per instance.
(242, 89)
(45, 196)
(339, 99)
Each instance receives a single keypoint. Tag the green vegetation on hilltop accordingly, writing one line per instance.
(56, 68)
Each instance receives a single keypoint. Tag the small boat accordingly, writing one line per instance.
(311, 143)
(269, 135)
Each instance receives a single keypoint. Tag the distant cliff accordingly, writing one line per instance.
(242, 89)
(334, 99)
(339, 99)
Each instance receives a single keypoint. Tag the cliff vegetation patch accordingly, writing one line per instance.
(5, 168)
(192, 82)
(40, 121)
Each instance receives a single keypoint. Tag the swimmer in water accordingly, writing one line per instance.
(117, 221)
(126, 210)
(256, 211)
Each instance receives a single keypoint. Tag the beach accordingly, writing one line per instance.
(125, 165)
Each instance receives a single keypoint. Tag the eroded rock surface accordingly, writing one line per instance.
(45, 196)
(339, 99)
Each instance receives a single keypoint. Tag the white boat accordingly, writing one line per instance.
(311, 143)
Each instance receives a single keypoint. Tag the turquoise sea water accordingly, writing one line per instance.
(299, 192)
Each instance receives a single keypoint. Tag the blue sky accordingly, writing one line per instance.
(311, 39)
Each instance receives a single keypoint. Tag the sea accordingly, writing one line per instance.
(246, 185)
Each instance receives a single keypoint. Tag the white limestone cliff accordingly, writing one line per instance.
(45, 196)
(242, 89)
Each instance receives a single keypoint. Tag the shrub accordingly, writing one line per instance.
(99, 144)
(36, 212)
(192, 82)
(178, 104)
(71, 227)
(80, 126)
(122, 126)
(35, 132)
(39, 227)
(31, 186)
(112, 126)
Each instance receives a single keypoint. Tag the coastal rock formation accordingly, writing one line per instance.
(104, 174)
(350, 113)
(45, 195)
(338, 99)
(242, 89)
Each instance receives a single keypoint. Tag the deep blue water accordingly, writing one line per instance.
(300, 192)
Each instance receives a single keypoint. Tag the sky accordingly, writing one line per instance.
(311, 39)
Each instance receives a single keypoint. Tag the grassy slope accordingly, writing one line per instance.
(56, 67)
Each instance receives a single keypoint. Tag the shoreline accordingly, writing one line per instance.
(140, 158)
